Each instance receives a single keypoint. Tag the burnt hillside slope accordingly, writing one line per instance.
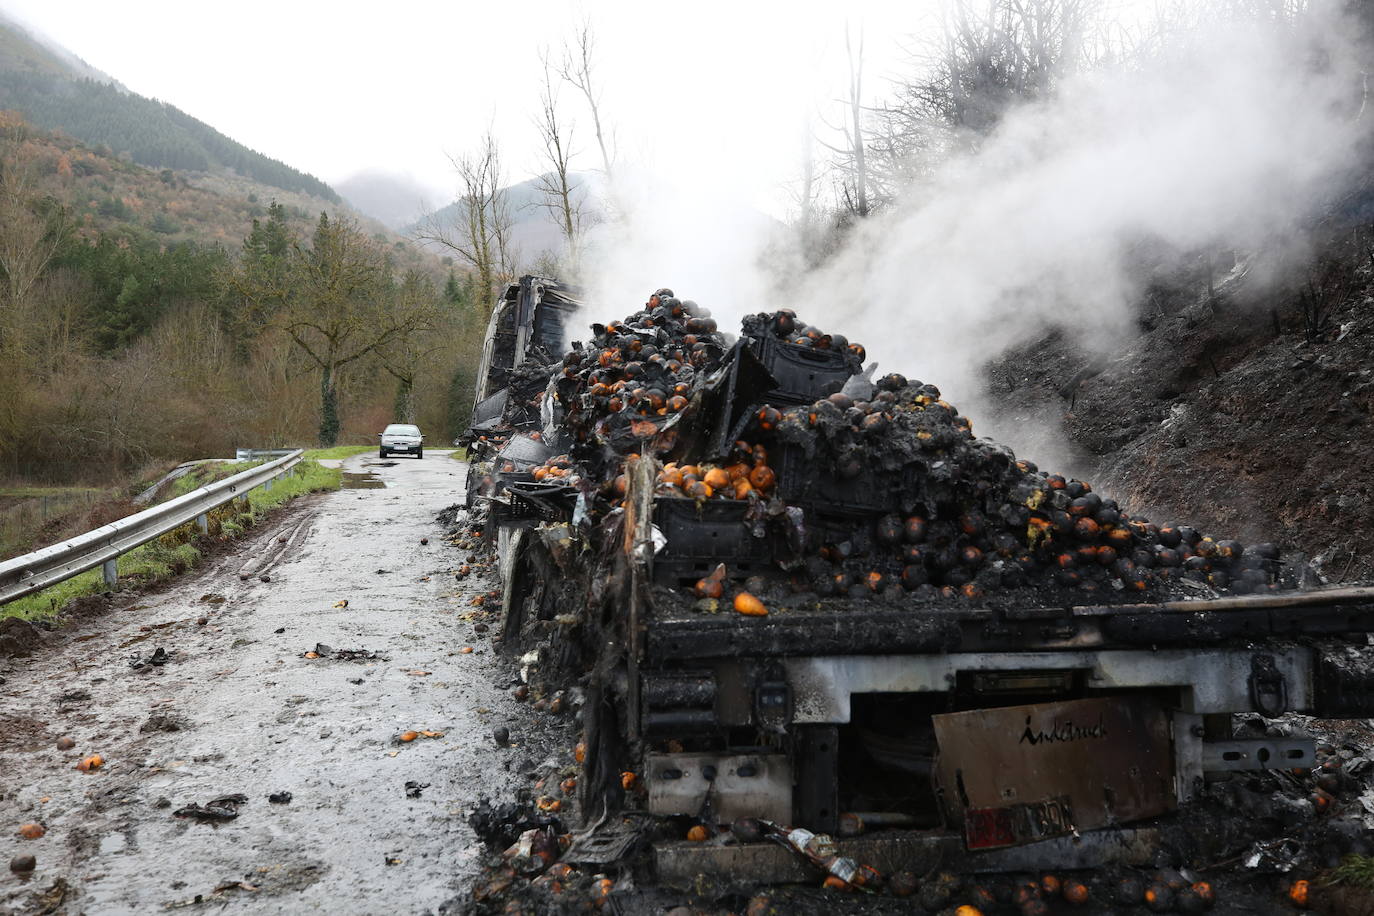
(1244, 404)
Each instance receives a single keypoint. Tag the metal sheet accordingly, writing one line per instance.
(747, 785)
(1210, 680)
(1023, 773)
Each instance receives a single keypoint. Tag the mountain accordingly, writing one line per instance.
(393, 199)
(55, 90)
(533, 230)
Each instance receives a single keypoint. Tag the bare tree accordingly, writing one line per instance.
(334, 300)
(480, 233)
(987, 56)
(577, 70)
(33, 227)
(560, 191)
(416, 304)
(851, 159)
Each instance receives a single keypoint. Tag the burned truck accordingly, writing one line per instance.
(795, 593)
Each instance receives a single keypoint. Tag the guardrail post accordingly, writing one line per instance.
(111, 571)
(267, 485)
(203, 523)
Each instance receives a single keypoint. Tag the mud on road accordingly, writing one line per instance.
(373, 824)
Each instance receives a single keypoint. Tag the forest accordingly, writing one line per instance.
(134, 329)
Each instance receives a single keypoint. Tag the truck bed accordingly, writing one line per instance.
(678, 630)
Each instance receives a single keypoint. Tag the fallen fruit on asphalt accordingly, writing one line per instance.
(409, 736)
(432, 734)
(1300, 893)
(424, 540)
(1076, 892)
(93, 762)
(501, 735)
(65, 744)
(750, 606)
(31, 831)
(466, 650)
(22, 864)
(342, 603)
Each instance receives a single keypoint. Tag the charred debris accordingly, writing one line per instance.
(875, 490)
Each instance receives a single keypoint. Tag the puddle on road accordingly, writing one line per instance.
(369, 481)
(380, 464)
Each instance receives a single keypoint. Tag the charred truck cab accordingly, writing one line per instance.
(916, 712)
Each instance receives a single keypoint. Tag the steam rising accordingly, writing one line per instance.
(1234, 137)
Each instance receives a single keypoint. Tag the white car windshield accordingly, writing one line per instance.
(401, 431)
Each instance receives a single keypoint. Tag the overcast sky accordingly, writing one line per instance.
(720, 88)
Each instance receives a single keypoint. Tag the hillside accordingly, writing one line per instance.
(55, 91)
(394, 200)
(1242, 407)
(534, 234)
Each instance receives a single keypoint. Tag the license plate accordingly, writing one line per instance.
(993, 828)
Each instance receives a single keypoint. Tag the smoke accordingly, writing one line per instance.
(1236, 136)
(1233, 135)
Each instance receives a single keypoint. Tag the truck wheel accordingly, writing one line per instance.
(530, 591)
(599, 788)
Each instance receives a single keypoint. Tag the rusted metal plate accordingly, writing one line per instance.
(1019, 774)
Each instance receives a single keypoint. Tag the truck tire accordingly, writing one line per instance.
(530, 590)
(599, 788)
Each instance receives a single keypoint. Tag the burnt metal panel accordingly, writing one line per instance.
(1022, 773)
(720, 787)
(734, 636)
(679, 864)
(816, 802)
(1207, 680)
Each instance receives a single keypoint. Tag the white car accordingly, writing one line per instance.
(401, 438)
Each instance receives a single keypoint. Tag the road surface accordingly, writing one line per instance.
(237, 708)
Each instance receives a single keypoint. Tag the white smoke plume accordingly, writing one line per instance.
(1232, 136)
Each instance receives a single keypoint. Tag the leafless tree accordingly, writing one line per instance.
(851, 158)
(577, 69)
(33, 227)
(562, 194)
(986, 56)
(480, 233)
(416, 305)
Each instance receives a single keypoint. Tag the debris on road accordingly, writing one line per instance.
(32, 831)
(159, 658)
(280, 798)
(413, 789)
(22, 865)
(341, 603)
(347, 655)
(93, 762)
(224, 808)
(65, 744)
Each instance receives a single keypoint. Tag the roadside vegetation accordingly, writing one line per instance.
(181, 549)
(147, 321)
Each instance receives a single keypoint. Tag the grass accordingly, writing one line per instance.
(338, 451)
(36, 492)
(459, 454)
(180, 549)
(1354, 871)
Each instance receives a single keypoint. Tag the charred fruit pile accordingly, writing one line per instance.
(874, 489)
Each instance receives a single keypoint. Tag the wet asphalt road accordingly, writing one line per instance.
(237, 709)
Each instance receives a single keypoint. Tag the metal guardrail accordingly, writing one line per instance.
(103, 546)
(253, 454)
